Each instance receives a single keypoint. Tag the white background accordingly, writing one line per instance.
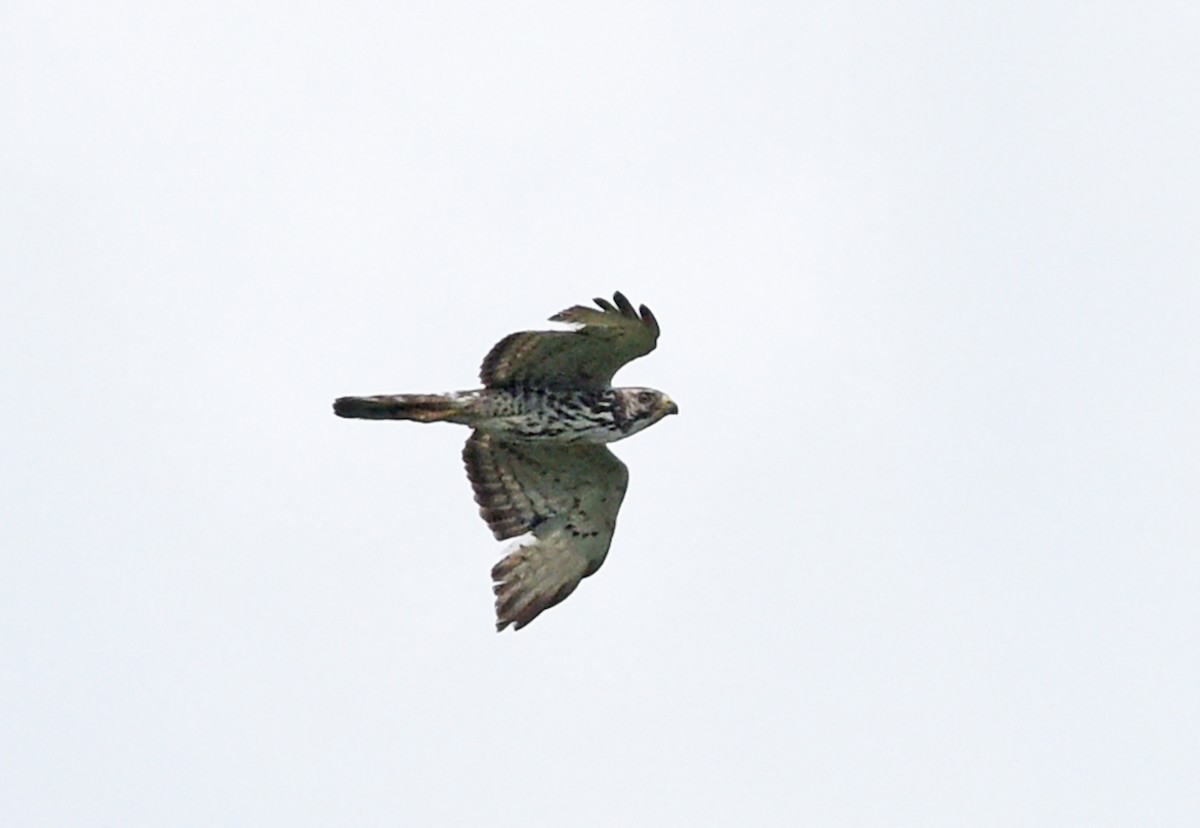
(921, 549)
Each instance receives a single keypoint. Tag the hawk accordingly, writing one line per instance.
(536, 457)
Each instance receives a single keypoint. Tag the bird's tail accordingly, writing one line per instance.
(424, 408)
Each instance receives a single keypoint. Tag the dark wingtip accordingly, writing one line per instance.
(624, 304)
(624, 307)
(649, 320)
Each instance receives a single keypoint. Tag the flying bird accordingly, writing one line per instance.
(537, 457)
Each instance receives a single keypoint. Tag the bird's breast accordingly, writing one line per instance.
(554, 415)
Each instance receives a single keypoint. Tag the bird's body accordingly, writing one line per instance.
(522, 413)
(536, 458)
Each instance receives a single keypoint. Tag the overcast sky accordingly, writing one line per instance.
(921, 549)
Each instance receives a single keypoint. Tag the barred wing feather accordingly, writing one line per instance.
(566, 495)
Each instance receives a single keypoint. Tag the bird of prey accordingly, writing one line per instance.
(536, 457)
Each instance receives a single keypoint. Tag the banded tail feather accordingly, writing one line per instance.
(424, 408)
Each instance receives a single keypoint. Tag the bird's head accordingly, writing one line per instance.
(639, 408)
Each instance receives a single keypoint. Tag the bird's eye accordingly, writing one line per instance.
(645, 397)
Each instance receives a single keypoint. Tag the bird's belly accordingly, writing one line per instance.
(537, 426)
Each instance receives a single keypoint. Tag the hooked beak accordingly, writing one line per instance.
(669, 406)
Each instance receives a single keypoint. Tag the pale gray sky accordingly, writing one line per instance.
(922, 548)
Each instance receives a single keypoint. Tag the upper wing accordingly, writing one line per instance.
(566, 495)
(583, 358)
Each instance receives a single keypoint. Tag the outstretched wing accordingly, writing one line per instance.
(567, 495)
(583, 358)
